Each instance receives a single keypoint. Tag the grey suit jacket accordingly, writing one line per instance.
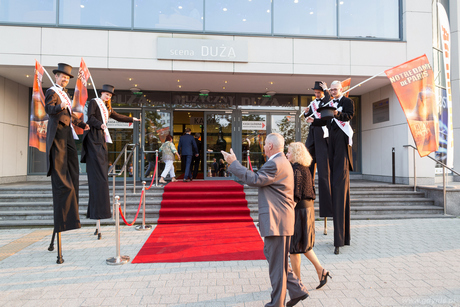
(275, 182)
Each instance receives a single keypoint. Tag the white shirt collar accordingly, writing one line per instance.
(274, 155)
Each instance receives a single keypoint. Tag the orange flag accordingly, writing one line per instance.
(413, 84)
(346, 86)
(81, 93)
(38, 116)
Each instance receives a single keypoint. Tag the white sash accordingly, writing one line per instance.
(314, 107)
(345, 126)
(65, 98)
(105, 119)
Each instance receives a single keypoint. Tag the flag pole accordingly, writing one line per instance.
(94, 87)
(359, 84)
(49, 76)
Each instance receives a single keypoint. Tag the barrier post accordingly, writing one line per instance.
(248, 158)
(113, 195)
(134, 168)
(124, 185)
(117, 259)
(156, 168)
(143, 227)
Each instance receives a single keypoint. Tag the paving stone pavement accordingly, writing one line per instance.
(389, 263)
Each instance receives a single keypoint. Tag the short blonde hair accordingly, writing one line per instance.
(300, 154)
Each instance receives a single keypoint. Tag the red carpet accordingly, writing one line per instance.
(203, 221)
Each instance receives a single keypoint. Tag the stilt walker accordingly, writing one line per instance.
(317, 145)
(95, 154)
(62, 157)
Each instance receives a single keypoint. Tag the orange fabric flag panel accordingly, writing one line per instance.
(346, 86)
(38, 116)
(81, 93)
(413, 84)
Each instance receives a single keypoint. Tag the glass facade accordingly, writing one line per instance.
(307, 18)
(378, 19)
(100, 13)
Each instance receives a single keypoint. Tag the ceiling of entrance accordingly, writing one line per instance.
(149, 80)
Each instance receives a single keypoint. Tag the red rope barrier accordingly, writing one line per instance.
(135, 218)
(154, 172)
(250, 164)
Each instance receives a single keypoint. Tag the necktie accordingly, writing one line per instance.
(318, 99)
(336, 100)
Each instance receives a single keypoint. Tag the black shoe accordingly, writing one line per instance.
(96, 232)
(294, 301)
(336, 250)
(323, 280)
(99, 236)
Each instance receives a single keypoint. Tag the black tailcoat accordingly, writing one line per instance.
(62, 163)
(317, 146)
(341, 162)
(94, 153)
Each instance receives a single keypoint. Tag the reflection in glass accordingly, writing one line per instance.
(238, 16)
(120, 137)
(169, 14)
(253, 139)
(101, 13)
(372, 19)
(308, 17)
(28, 11)
(284, 125)
(218, 137)
(157, 125)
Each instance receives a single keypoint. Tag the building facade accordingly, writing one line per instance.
(232, 71)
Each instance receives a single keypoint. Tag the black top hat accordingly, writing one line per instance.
(108, 88)
(326, 111)
(64, 68)
(317, 86)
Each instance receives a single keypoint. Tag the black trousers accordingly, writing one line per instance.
(317, 146)
(65, 180)
(340, 185)
(196, 165)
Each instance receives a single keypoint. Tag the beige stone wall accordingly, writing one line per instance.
(14, 123)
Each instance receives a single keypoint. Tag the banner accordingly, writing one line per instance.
(346, 86)
(38, 116)
(445, 154)
(80, 95)
(413, 83)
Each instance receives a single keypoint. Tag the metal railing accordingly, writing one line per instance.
(112, 172)
(156, 164)
(444, 174)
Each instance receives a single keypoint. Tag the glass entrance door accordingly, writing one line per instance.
(156, 126)
(122, 134)
(217, 136)
(253, 133)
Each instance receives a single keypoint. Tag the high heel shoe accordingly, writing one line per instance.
(99, 236)
(96, 232)
(323, 280)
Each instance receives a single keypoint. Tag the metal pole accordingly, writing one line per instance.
(117, 259)
(134, 169)
(156, 168)
(393, 165)
(113, 195)
(415, 174)
(444, 188)
(124, 185)
(143, 227)
(248, 158)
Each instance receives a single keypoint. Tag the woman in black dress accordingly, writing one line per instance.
(95, 155)
(303, 240)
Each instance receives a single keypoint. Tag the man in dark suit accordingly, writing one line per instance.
(341, 162)
(187, 148)
(197, 159)
(317, 145)
(62, 157)
(275, 182)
